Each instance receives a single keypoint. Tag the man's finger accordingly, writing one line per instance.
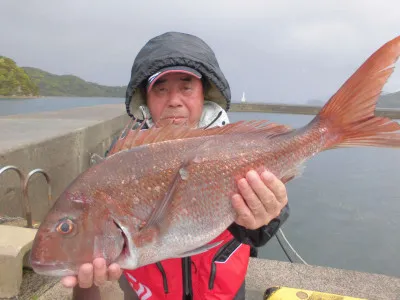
(85, 276)
(100, 271)
(244, 216)
(114, 272)
(276, 186)
(264, 194)
(267, 202)
(69, 281)
(249, 196)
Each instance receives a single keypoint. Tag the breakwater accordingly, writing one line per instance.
(299, 109)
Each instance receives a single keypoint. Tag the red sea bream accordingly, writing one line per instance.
(166, 192)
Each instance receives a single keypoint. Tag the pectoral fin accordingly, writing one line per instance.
(293, 173)
(161, 209)
(156, 220)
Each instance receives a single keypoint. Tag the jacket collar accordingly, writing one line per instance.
(213, 115)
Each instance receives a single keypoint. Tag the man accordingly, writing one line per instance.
(176, 78)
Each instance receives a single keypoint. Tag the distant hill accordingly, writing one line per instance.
(70, 85)
(14, 82)
(387, 100)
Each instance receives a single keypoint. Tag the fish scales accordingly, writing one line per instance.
(212, 183)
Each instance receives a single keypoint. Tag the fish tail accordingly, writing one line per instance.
(349, 117)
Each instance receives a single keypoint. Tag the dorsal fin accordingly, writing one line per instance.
(130, 137)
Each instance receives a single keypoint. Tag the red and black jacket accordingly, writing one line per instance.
(218, 273)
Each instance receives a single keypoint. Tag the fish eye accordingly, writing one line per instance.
(65, 226)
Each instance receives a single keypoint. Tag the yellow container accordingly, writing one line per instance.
(286, 293)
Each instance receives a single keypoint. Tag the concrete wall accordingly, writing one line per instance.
(60, 143)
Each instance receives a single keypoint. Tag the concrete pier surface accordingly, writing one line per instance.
(61, 142)
(264, 273)
(261, 275)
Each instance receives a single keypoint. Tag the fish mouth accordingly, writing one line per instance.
(52, 269)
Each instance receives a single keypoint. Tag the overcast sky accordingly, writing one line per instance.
(291, 51)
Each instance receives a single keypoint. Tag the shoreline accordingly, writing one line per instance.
(393, 113)
(20, 97)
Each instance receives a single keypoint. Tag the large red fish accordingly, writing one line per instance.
(166, 192)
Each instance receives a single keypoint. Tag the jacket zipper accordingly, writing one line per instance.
(164, 276)
(213, 264)
(187, 278)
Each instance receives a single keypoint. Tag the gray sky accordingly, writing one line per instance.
(289, 52)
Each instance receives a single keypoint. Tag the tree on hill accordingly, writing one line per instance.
(70, 85)
(14, 81)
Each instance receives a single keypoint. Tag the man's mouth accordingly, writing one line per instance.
(170, 118)
(175, 120)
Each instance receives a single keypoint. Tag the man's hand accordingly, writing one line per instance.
(261, 199)
(96, 273)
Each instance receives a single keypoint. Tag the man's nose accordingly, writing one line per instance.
(174, 99)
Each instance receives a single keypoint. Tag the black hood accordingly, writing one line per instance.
(176, 49)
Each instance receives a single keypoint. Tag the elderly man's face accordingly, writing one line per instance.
(176, 97)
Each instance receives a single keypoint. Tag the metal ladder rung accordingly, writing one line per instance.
(24, 180)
